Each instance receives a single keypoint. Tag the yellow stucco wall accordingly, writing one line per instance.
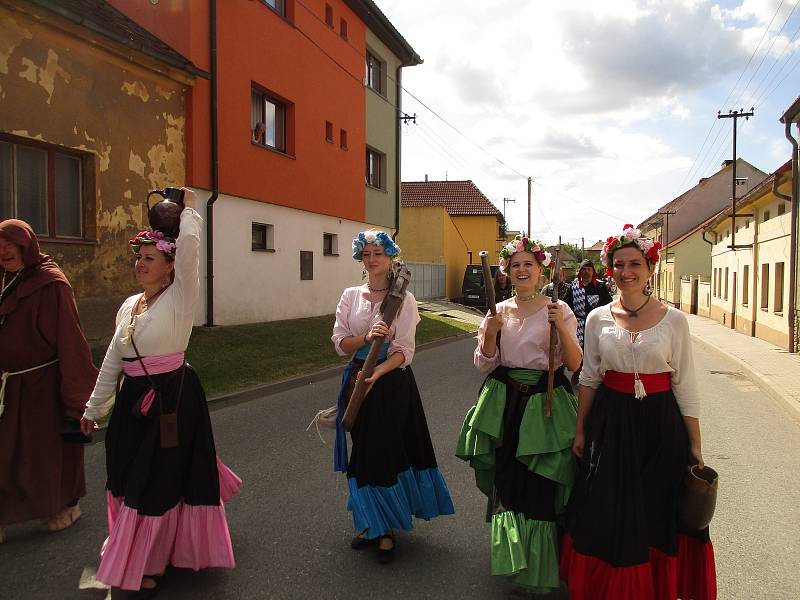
(692, 256)
(63, 86)
(762, 314)
(422, 233)
(430, 234)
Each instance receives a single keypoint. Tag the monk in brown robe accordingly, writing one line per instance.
(46, 374)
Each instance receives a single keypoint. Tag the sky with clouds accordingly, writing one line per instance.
(610, 106)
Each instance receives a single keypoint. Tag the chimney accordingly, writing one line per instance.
(426, 177)
(727, 163)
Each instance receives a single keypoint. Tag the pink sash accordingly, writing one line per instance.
(155, 365)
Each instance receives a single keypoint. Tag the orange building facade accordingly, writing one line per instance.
(292, 134)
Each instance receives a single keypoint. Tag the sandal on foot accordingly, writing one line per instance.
(360, 542)
(146, 593)
(386, 555)
(62, 520)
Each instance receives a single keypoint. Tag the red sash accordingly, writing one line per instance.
(623, 382)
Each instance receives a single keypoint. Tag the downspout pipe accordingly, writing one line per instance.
(214, 168)
(792, 238)
(398, 148)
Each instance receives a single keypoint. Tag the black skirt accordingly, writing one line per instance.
(625, 499)
(390, 434)
(152, 479)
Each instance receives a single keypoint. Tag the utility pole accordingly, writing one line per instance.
(530, 183)
(735, 115)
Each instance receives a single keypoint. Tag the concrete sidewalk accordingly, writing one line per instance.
(773, 369)
(444, 308)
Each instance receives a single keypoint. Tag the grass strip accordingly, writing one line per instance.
(241, 356)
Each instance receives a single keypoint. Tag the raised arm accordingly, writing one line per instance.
(187, 257)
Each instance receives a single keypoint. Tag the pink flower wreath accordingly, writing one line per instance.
(630, 235)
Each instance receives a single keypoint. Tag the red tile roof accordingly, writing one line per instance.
(457, 197)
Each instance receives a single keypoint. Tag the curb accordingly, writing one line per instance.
(270, 389)
(758, 378)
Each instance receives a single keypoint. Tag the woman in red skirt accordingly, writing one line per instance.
(637, 430)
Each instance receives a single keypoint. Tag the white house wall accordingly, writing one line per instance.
(256, 286)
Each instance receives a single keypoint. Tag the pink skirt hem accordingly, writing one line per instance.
(186, 536)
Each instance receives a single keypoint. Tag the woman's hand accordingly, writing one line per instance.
(578, 444)
(555, 315)
(494, 324)
(697, 456)
(189, 198)
(379, 329)
(87, 426)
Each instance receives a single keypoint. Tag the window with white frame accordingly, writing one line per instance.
(263, 237)
(330, 244)
(375, 163)
(268, 120)
(43, 186)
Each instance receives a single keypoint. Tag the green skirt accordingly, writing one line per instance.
(523, 464)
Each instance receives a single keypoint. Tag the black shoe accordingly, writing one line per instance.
(359, 543)
(386, 556)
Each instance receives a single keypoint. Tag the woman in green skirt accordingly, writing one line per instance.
(521, 455)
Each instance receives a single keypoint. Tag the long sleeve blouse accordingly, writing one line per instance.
(355, 314)
(524, 344)
(664, 348)
(164, 328)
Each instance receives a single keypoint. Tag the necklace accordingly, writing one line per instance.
(526, 298)
(142, 301)
(4, 287)
(635, 312)
(372, 289)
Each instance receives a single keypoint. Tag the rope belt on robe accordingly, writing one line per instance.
(6, 374)
(156, 364)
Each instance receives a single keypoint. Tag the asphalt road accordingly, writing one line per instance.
(290, 529)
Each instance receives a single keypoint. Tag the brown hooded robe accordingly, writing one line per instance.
(39, 473)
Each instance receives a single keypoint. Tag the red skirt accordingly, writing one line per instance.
(623, 541)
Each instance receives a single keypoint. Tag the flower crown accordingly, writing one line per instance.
(523, 244)
(630, 235)
(377, 238)
(157, 238)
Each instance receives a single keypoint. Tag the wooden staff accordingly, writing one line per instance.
(488, 282)
(551, 365)
(392, 303)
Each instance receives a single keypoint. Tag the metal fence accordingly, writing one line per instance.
(427, 280)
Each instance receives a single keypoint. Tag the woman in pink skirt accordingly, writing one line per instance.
(165, 486)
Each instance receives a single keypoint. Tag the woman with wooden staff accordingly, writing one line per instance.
(392, 473)
(522, 458)
(638, 429)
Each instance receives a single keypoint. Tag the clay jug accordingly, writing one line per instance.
(165, 216)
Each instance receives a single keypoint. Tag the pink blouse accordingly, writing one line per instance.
(355, 315)
(524, 344)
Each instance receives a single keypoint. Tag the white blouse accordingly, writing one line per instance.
(164, 328)
(664, 348)
(524, 344)
(355, 314)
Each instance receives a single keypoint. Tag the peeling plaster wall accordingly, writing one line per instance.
(128, 121)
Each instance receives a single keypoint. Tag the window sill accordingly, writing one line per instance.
(778, 313)
(343, 148)
(374, 91)
(372, 187)
(764, 309)
(330, 254)
(330, 141)
(273, 149)
(75, 241)
(263, 249)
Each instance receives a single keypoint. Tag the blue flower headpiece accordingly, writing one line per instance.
(378, 238)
